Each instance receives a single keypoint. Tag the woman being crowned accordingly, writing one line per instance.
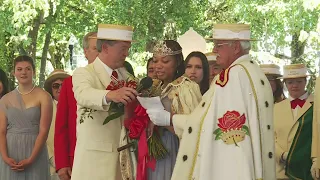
(179, 95)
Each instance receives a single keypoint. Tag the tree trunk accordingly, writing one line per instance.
(44, 59)
(33, 34)
(297, 48)
(7, 56)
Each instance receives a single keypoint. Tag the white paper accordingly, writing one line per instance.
(150, 102)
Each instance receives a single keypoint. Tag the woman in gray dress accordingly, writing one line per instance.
(25, 117)
(179, 95)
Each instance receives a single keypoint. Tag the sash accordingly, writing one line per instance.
(299, 160)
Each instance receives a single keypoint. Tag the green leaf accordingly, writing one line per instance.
(246, 130)
(218, 136)
(112, 117)
(217, 131)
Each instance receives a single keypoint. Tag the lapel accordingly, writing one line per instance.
(285, 107)
(101, 72)
(305, 107)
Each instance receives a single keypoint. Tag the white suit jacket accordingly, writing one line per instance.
(96, 155)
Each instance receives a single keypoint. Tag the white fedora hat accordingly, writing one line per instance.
(115, 32)
(270, 69)
(294, 71)
(232, 32)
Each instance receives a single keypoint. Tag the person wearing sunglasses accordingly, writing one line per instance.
(53, 86)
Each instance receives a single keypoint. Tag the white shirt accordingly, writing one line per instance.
(109, 72)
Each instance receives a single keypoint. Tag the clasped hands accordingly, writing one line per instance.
(20, 166)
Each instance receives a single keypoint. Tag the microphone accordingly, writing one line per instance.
(144, 84)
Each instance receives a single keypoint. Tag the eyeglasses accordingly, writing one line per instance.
(56, 85)
(217, 45)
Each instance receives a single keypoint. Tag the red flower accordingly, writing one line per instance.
(115, 85)
(132, 84)
(231, 120)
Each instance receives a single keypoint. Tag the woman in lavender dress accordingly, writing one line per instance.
(179, 95)
(25, 117)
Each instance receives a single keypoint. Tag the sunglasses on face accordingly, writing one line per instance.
(56, 85)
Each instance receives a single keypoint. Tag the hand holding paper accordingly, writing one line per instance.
(151, 102)
(159, 117)
(157, 114)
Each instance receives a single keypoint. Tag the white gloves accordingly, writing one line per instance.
(314, 169)
(159, 117)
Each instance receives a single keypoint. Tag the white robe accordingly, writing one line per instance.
(247, 91)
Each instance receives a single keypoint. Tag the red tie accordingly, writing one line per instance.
(297, 102)
(114, 84)
(115, 74)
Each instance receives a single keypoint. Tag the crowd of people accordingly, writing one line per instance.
(225, 117)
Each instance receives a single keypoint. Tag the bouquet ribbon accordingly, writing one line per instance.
(137, 130)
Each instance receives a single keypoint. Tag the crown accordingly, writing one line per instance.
(161, 49)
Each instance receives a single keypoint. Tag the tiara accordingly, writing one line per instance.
(161, 49)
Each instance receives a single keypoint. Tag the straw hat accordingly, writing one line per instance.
(294, 71)
(232, 32)
(271, 69)
(115, 32)
(211, 56)
(54, 75)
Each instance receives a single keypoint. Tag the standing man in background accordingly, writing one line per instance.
(214, 68)
(65, 126)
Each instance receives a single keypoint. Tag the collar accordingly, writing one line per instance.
(107, 68)
(245, 57)
(303, 97)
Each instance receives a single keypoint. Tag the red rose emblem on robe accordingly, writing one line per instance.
(231, 120)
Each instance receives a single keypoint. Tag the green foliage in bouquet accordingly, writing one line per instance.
(116, 110)
(155, 146)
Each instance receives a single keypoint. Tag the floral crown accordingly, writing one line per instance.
(162, 49)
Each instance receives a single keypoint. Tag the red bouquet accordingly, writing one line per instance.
(150, 149)
(117, 109)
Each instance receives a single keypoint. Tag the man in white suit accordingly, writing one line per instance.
(96, 155)
(230, 134)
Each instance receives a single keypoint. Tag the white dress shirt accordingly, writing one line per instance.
(109, 71)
